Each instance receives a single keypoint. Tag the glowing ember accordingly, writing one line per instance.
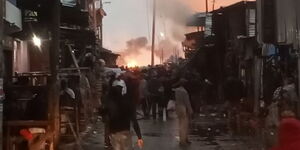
(132, 64)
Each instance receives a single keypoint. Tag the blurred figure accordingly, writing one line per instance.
(233, 92)
(154, 87)
(289, 133)
(194, 88)
(184, 111)
(289, 95)
(105, 118)
(143, 96)
(132, 83)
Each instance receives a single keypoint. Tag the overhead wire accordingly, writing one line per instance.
(147, 17)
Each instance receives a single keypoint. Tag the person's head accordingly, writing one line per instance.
(101, 62)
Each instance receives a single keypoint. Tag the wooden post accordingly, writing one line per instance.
(1, 68)
(53, 95)
(257, 82)
(206, 4)
(298, 103)
(101, 25)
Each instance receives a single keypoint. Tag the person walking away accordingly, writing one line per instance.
(184, 111)
(168, 93)
(132, 83)
(106, 91)
(121, 115)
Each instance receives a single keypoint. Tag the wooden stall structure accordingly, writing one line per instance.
(56, 44)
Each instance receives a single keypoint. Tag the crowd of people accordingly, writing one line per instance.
(153, 89)
(149, 89)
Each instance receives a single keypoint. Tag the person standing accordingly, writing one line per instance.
(154, 86)
(106, 91)
(184, 111)
(143, 96)
(234, 91)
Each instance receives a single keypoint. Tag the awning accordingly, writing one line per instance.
(74, 16)
(197, 20)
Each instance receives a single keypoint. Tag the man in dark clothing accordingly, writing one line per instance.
(121, 113)
(155, 89)
(106, 91)
(143, 96)
(234, 91)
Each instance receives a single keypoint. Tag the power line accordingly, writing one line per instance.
(147, 17)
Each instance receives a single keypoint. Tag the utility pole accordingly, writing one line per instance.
(153, 33)
(53, 94)
(162, 56)
(1, 69)
(213, 7)
(101, 25)
(206, 4)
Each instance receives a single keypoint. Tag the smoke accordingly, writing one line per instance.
(172, 16)
(176, 10)
(134, 48)
(135, 45)
(166, 48)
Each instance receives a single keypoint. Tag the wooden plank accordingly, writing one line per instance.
(74, 69)
(1, 67)
(29, 123)
(298, 103)
(8, 139)
(74, 58)
(257, 82)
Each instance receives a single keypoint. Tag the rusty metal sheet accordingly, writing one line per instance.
(286, 21)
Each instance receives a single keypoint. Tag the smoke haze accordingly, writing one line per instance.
(135, 27)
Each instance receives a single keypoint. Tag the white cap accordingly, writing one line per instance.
(37, 130)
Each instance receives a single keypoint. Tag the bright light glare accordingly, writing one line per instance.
(36, 41)
(162, 34)
(132, 64)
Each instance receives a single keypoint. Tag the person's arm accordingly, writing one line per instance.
(186, 99)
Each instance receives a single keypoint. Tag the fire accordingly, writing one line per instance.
(131, 64)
